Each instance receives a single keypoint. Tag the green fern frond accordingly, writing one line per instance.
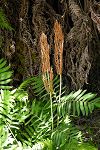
(26, 83)
(66, 134)
(13, 112)
(38, 124)
(77, 103)
(5, 74)
(6, 104)
(37, 85)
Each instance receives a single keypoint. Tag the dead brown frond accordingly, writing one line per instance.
(58, 41)
(47, 72)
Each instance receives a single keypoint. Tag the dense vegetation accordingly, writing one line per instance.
(37, 123)
(43, 104)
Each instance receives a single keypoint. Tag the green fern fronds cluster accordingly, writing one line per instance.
(27, 123)
(37, 125)
(69, 133)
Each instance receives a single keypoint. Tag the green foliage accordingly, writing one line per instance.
(78, 103)
(86, 146)
(38, 124)
(3, 21)
(6, 104)
(13, 113)
(5, 75)
(26, 124)
(71, 135)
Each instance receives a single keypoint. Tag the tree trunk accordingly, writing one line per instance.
(81, 27)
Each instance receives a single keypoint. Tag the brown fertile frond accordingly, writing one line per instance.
(47, 72)
(58, 41)
(51, 81)
(45, 81)
(48, 81)
(45, 59)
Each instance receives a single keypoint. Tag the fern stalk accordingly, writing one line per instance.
(60, 87)
(51, 111)
(50, 92)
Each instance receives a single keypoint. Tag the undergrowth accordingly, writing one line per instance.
(26, 124)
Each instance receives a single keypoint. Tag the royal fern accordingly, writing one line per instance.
(29, 121)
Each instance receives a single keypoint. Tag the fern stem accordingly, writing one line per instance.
(60, 88)
(51, 111)
(59, 99)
